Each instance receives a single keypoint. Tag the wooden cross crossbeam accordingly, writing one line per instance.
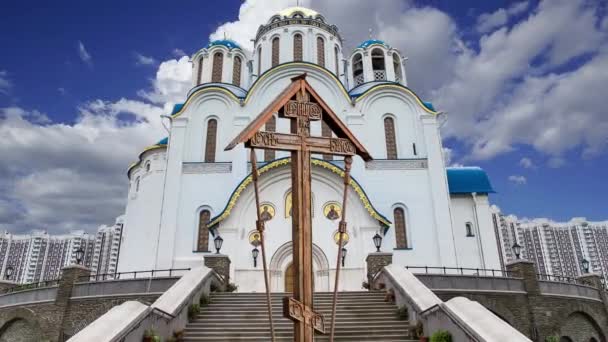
(296, 311)
(293, 142)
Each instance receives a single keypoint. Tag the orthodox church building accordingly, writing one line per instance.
(187, 190)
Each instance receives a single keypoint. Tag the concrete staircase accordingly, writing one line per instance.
(361, 316)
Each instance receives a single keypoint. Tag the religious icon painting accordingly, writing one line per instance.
(267, 211)
(289, 208)
(345, 238)
(332, 210)
(254, 238)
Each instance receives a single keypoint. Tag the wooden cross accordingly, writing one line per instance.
(294, 103)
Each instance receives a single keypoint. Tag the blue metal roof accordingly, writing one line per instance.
(466, 180)
(237, 91)
(230, 44)
(163, 141)
(429, 105)
(371, 42)
(177, 107)
(360, 89)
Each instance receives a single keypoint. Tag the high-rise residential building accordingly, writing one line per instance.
(39, 256)
(557, 248)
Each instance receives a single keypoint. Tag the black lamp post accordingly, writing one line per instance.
(377, 241)
(79, 255)
(344, 250)
(255, 252)
(517, 250)
(9, 272)
(585, 263)
(218, 241)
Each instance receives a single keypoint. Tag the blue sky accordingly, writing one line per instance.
(82, 86)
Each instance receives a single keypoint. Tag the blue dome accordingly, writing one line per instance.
(230, 44)
(163, 141)
(466, 180)
(371, 42)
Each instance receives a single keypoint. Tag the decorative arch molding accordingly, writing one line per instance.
(25, 314)
(576, 308)
(394, 90)
(285, 252)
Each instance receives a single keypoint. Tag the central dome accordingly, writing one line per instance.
(289, 12)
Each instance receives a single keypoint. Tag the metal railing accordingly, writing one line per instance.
(481, 272)
(558, 278)
(171, 272)
(30, 286)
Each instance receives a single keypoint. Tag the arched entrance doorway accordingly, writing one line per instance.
(282, 270)
(290, 278)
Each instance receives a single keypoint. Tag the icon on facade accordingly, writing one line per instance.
(332, 210)
(267, 211)
(288, 206)
(255, 238)
(345, 238)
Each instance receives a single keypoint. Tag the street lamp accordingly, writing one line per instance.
(9, 272)
(377, 241)
(344, 250)
(218, 241)
(585, 263)
(79, 255)
(516, 249)
(255, 252)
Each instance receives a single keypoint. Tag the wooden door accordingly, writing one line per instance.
(289, 278)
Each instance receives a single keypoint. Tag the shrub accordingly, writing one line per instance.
(193, 311)
(231, 287)
(441, 336)
(402, 313)
(552, 339)
(205, 300)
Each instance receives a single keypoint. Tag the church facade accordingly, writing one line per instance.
(187, 190)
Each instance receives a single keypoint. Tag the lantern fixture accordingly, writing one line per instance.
(344, 250)
(9, 272)
(517, 250)
(585, 263)
(79, 255)
(218, 241)
(377, 242)
(255, 252)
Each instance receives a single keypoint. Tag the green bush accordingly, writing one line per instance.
(205, 300)
(552, 339)
(441, 336)
(402, 313)
(193, 311)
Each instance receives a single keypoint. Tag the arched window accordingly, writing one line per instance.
(259, 61)
(337, 60)
(326, 132)
(320, 51)
(469, 228)
(358, 77)
(397, 67)
(137, 184)
(275, 51)
(211, 141)
(218, 63)
(236, 71)
(389, 136)
(297, 47)
(378, 65)
(202, 243)
(199, 77)
(271, 126)
(148, 166)
(400, 229)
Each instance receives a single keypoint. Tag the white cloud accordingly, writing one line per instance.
(178, 53)
(526, 163)
(489, 21)
(519, 180)
(172, 82)
(5, 83)
(84, 55)
(143, 60)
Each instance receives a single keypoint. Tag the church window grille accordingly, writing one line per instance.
(271, 126)
(337, 60)
(259, 61)
(469, 228)
(389, 135)
(211, 141)
(297, 47)
(358, 77)
(199, 76)
(378, 65)
(326, 132)
(218, 62)
(397, 67)
(400, 228)
(236, 71)
(202, 244)
(275, 51)
(320, 51)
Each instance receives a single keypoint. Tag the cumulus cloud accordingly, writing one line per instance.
(489, 21)
(84, 55)
(5, 83)
(178, 53)
(143, 60)
(519, 180)
(526, 163)
(172, 82)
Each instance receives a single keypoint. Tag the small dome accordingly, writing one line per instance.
(289, 12)
(371, 42)
(230, 44)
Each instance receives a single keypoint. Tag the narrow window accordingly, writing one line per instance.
(259, 61)
(400, 229)
(203, 231)
(236, 71)
(358, 77)
(414, 148)
(218, 62)
(275, 51)
(326, 132)
(148, 166)
(320, 51)
(389, 136)
(297, 47)
(211, 141)
(271, 126)
(397, 67)
(469, 228)
(199, 77)
(137, 184)
(378, 65)
(337, 60)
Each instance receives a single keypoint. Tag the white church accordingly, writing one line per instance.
(186, 190)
